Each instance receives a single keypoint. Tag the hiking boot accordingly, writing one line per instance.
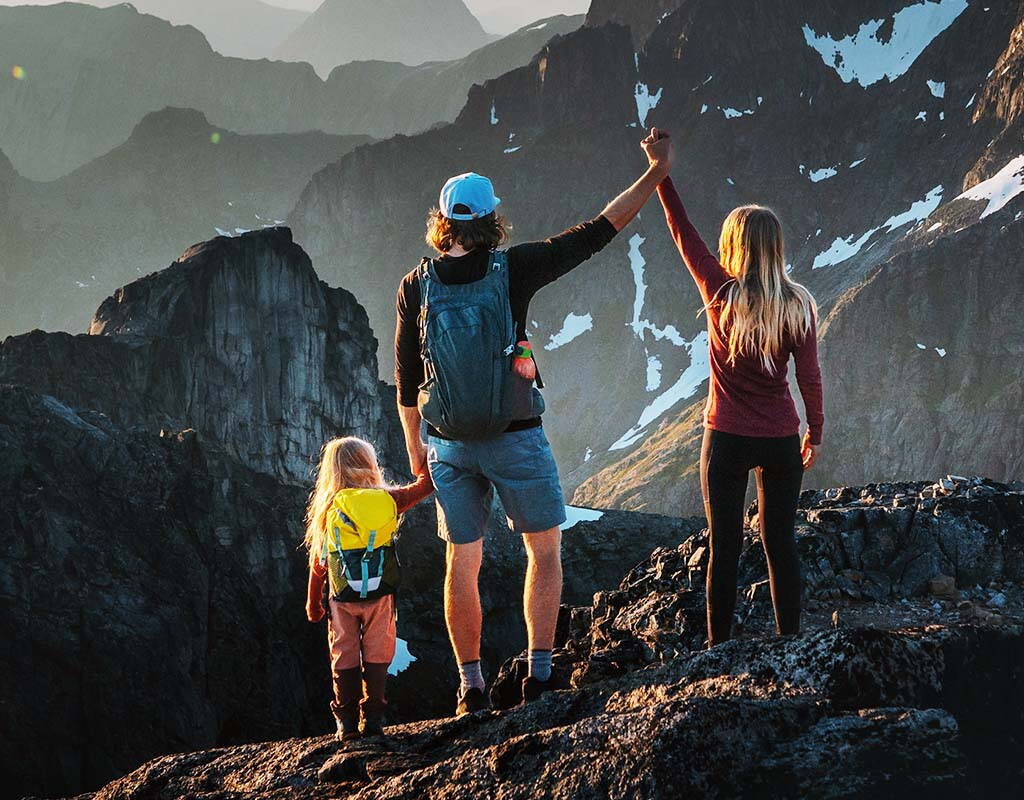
(348, 730)
(533, 688)
(373, 725)
(471, 701)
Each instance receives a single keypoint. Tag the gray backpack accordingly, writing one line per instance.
(467, 340)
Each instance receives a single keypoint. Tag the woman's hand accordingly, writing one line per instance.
(660, 150)
(314, 612)
(808, 451)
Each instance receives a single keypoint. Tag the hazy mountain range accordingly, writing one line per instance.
(90, 75)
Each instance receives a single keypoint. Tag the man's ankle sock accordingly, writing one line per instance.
(470, 677)
(540, 664)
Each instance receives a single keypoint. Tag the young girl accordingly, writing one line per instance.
(757, 319)
(361, 634)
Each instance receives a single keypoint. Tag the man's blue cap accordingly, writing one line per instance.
(473, 191)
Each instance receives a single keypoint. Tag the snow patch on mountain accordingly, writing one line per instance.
(937, 88)
(646, 102)
(844, 249)
(637, 263)
(1000, 189)
(494, 113)
(862, 57)
(733, 113)
(823, 174)
(641, 326)
(691, 379)
(918, 212)
(575, 325)
(653, 373)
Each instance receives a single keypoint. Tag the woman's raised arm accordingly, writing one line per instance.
(705, 268)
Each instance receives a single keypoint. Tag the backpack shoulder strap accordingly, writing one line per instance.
(425, 280)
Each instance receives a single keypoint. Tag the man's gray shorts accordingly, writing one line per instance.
(520, 465)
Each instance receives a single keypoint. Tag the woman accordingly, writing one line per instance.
(757, 318)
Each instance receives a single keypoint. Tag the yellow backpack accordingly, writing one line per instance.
(359, 548)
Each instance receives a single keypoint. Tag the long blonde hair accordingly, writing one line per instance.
(762, 305)
(347, 463)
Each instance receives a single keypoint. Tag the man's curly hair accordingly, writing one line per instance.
(488, 232)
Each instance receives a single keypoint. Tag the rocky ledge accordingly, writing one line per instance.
(906, 692)
(850, 713)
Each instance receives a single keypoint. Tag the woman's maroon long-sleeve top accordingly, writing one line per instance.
(743, 398)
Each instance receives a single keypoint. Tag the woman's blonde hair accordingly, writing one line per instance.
(762, 306)
(347, 463)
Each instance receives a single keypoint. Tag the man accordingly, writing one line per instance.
(468, 457)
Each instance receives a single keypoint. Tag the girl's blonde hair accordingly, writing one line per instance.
(348, 463)
(762, 306)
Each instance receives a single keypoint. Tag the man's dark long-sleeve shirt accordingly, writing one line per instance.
(532, 266)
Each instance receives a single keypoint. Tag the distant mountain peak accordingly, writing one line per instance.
(171, 121)
(408, 31)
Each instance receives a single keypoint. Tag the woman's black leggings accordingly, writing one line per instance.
(725, 464)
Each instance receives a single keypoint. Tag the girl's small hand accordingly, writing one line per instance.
(314, 613)
(808, 451)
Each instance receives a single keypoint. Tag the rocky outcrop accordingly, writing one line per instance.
(406, 31)
(906, 705)
(87, 83)
(955, 546)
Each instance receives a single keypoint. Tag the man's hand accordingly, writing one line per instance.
(660, 150)
(415, 447)
(808, 451)
(417, 452)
